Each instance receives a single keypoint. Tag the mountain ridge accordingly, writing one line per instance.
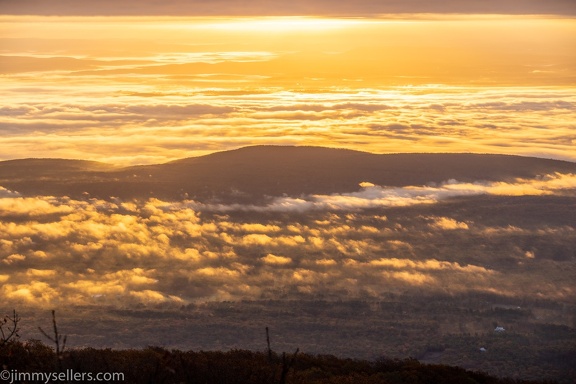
(250, 174)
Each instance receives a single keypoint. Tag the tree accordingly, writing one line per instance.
(58, 340)
(9, 328)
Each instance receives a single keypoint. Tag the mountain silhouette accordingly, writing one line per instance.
(250, 174)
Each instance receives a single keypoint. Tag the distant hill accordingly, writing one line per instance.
(251, 173)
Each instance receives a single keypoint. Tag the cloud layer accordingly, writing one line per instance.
(177, 87)
(59, 250)
(136, 130)
(374, 196)
(148, 90)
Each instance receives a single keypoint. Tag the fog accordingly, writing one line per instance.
(356, 245)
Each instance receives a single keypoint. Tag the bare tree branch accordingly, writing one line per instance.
(9, 328)
(57, 340)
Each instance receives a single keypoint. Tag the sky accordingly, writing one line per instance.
(284, 8)
(149, 82)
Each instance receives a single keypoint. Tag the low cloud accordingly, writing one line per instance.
(447, 223)
(22, 206)
(158, 127)
(61, 250)
(373, 196)
(276, 260)
(427, 265)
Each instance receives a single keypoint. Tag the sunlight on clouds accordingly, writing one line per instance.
(256, 239)
(142, 90)
(209, 57)
(91, 288)
(40, 272)
(255, 227)
(448, 224)
(280, 24)
(276, 260)
(221, 273)
(32, 292)
(374, 196)
(147, 296)
(14, 258)
(326, 262)
(179, 87)
(416, 278)
(158, 258)
(31, 207)
(529, 254)
(545, 185)
(155, 129)
(431, 264)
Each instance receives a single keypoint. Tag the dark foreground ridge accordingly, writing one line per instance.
(159, 365)
(250, 174)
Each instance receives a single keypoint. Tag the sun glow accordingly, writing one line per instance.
(282, 24)
(154, 89)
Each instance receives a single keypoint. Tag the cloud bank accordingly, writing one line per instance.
(56, 250)
(374, 196)
(154, 129)
(179, 87)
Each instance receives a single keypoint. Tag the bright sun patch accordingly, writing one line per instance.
(281, 24)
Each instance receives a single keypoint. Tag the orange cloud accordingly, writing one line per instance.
(276, 260)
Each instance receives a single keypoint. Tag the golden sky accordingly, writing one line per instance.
(147, 89)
